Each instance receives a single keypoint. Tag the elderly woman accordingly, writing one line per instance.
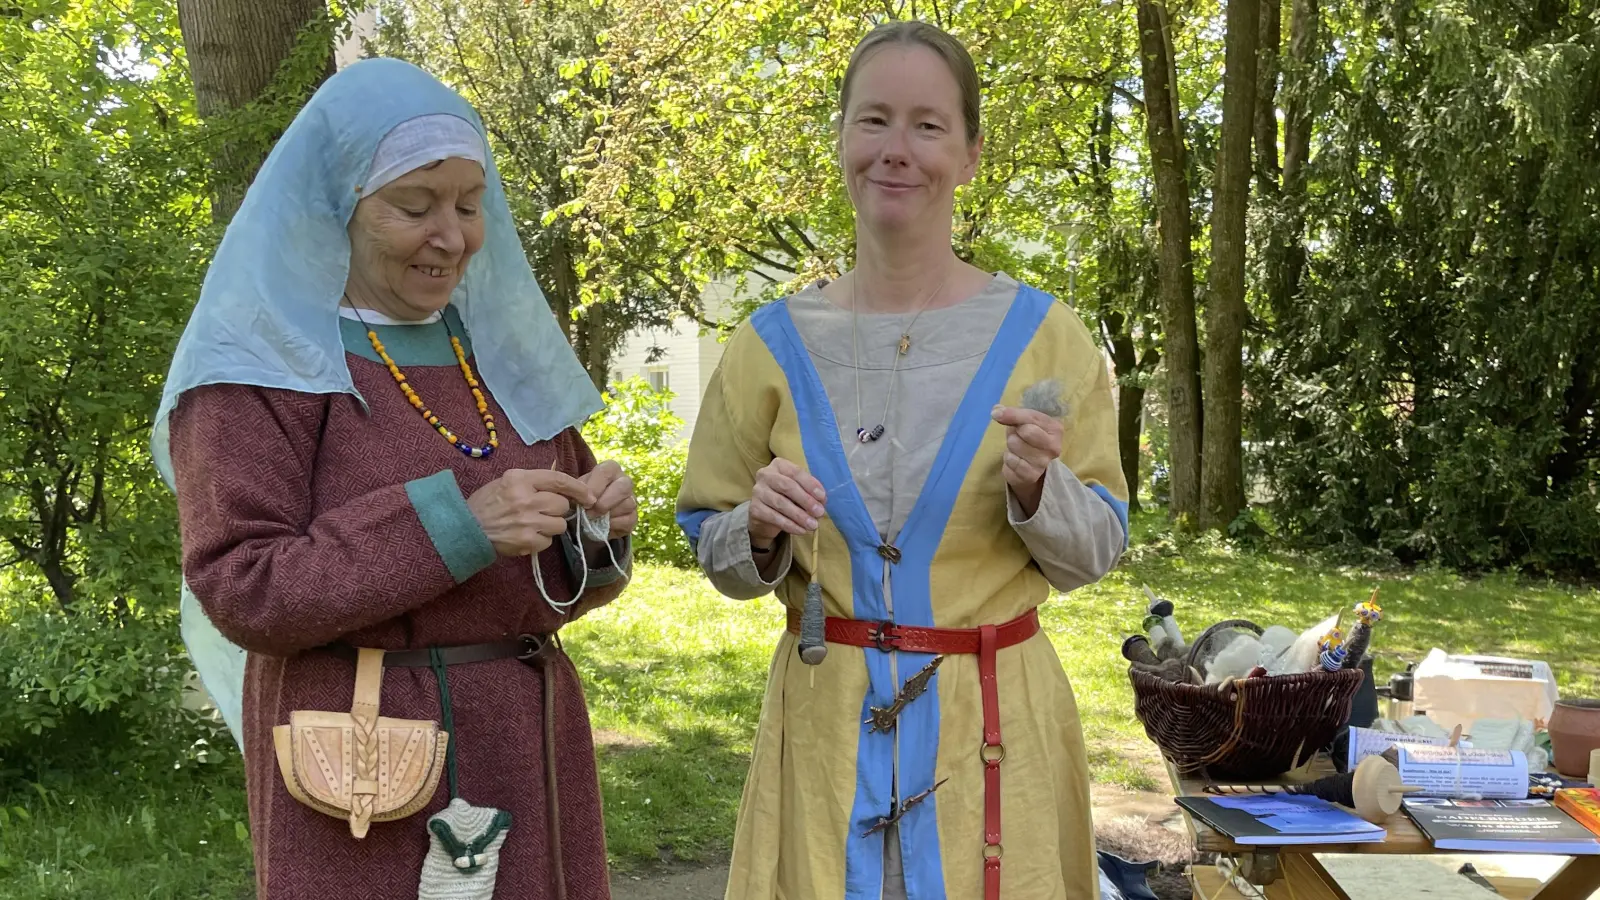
(369, 425)
(944, 440)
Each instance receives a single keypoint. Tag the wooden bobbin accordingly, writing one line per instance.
(1378, 790)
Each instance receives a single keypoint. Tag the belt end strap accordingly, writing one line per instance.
(993, 753)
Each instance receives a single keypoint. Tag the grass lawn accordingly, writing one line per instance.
(675, 676)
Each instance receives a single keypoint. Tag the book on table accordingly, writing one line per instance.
(1582, 804)
(1272, 819)
(1501, 826)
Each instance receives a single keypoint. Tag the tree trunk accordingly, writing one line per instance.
(597, 341)
(235, 48)
(1130, 396)
(1175, 261)
(1266, 124)
(1287, 249)
(54, 509)
(562, 288)
(1130, 425)
(1222, 479)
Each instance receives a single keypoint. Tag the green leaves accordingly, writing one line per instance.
(638, 430)
(101, 242)
(1435, 390)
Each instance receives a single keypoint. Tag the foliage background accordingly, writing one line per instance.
(1428, 397)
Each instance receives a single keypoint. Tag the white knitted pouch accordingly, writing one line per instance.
(463, 852)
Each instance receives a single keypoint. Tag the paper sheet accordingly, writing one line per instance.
(1461, 773)
(1365, 742)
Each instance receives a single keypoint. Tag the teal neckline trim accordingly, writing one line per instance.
(408, 345)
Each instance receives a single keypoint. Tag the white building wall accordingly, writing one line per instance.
(686, 356)
(679, 360)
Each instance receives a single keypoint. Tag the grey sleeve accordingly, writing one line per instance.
(726, 558)
(1075, 536)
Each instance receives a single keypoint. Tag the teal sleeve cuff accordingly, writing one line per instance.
(455, 532)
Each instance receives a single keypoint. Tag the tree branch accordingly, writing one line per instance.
(763, 260)
(783, 243)
(801, 233)
(1104, 81)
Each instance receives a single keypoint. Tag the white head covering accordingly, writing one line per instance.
(420, 141)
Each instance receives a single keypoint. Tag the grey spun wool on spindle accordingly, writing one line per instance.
(1045, 396)
(1136, 648)
(1360, 640)
(813, 640)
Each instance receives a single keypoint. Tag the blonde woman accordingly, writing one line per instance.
(935, 750)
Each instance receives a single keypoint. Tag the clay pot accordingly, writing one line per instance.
(1574, 732)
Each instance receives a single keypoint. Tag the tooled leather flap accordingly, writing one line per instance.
(326, 748)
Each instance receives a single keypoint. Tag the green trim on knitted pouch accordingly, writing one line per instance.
(458, 848)
(455, 532)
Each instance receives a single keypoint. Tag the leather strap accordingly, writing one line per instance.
(369, 682)
(558, 872)
(365, 752)
(914, 639)
(525, 647)
(986, 641)
(993, 753)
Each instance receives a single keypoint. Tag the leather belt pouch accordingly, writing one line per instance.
(360, 766)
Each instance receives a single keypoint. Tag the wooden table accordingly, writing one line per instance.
(1293, 872)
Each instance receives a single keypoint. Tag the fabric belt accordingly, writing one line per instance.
(985, 641)
(534, 649)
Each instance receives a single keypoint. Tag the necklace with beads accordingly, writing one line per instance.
(476, 452)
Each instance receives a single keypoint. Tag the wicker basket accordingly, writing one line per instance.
(1252, 729)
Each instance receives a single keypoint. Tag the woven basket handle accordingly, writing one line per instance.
(1194, 648)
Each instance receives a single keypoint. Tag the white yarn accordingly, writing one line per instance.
(596, 529)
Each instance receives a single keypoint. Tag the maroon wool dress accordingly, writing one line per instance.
(301, 527)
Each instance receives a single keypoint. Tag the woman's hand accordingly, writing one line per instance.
(613, 492)
(1033, 441)
(524, 510)
(785, 500)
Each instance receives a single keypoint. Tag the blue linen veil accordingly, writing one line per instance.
(268, 309)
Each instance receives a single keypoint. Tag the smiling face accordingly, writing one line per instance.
(904, 144)
(411, 241)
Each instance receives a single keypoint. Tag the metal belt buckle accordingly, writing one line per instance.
(536, 648)
(885, 636)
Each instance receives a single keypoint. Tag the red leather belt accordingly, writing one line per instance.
(985, 641)
(915, 639)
